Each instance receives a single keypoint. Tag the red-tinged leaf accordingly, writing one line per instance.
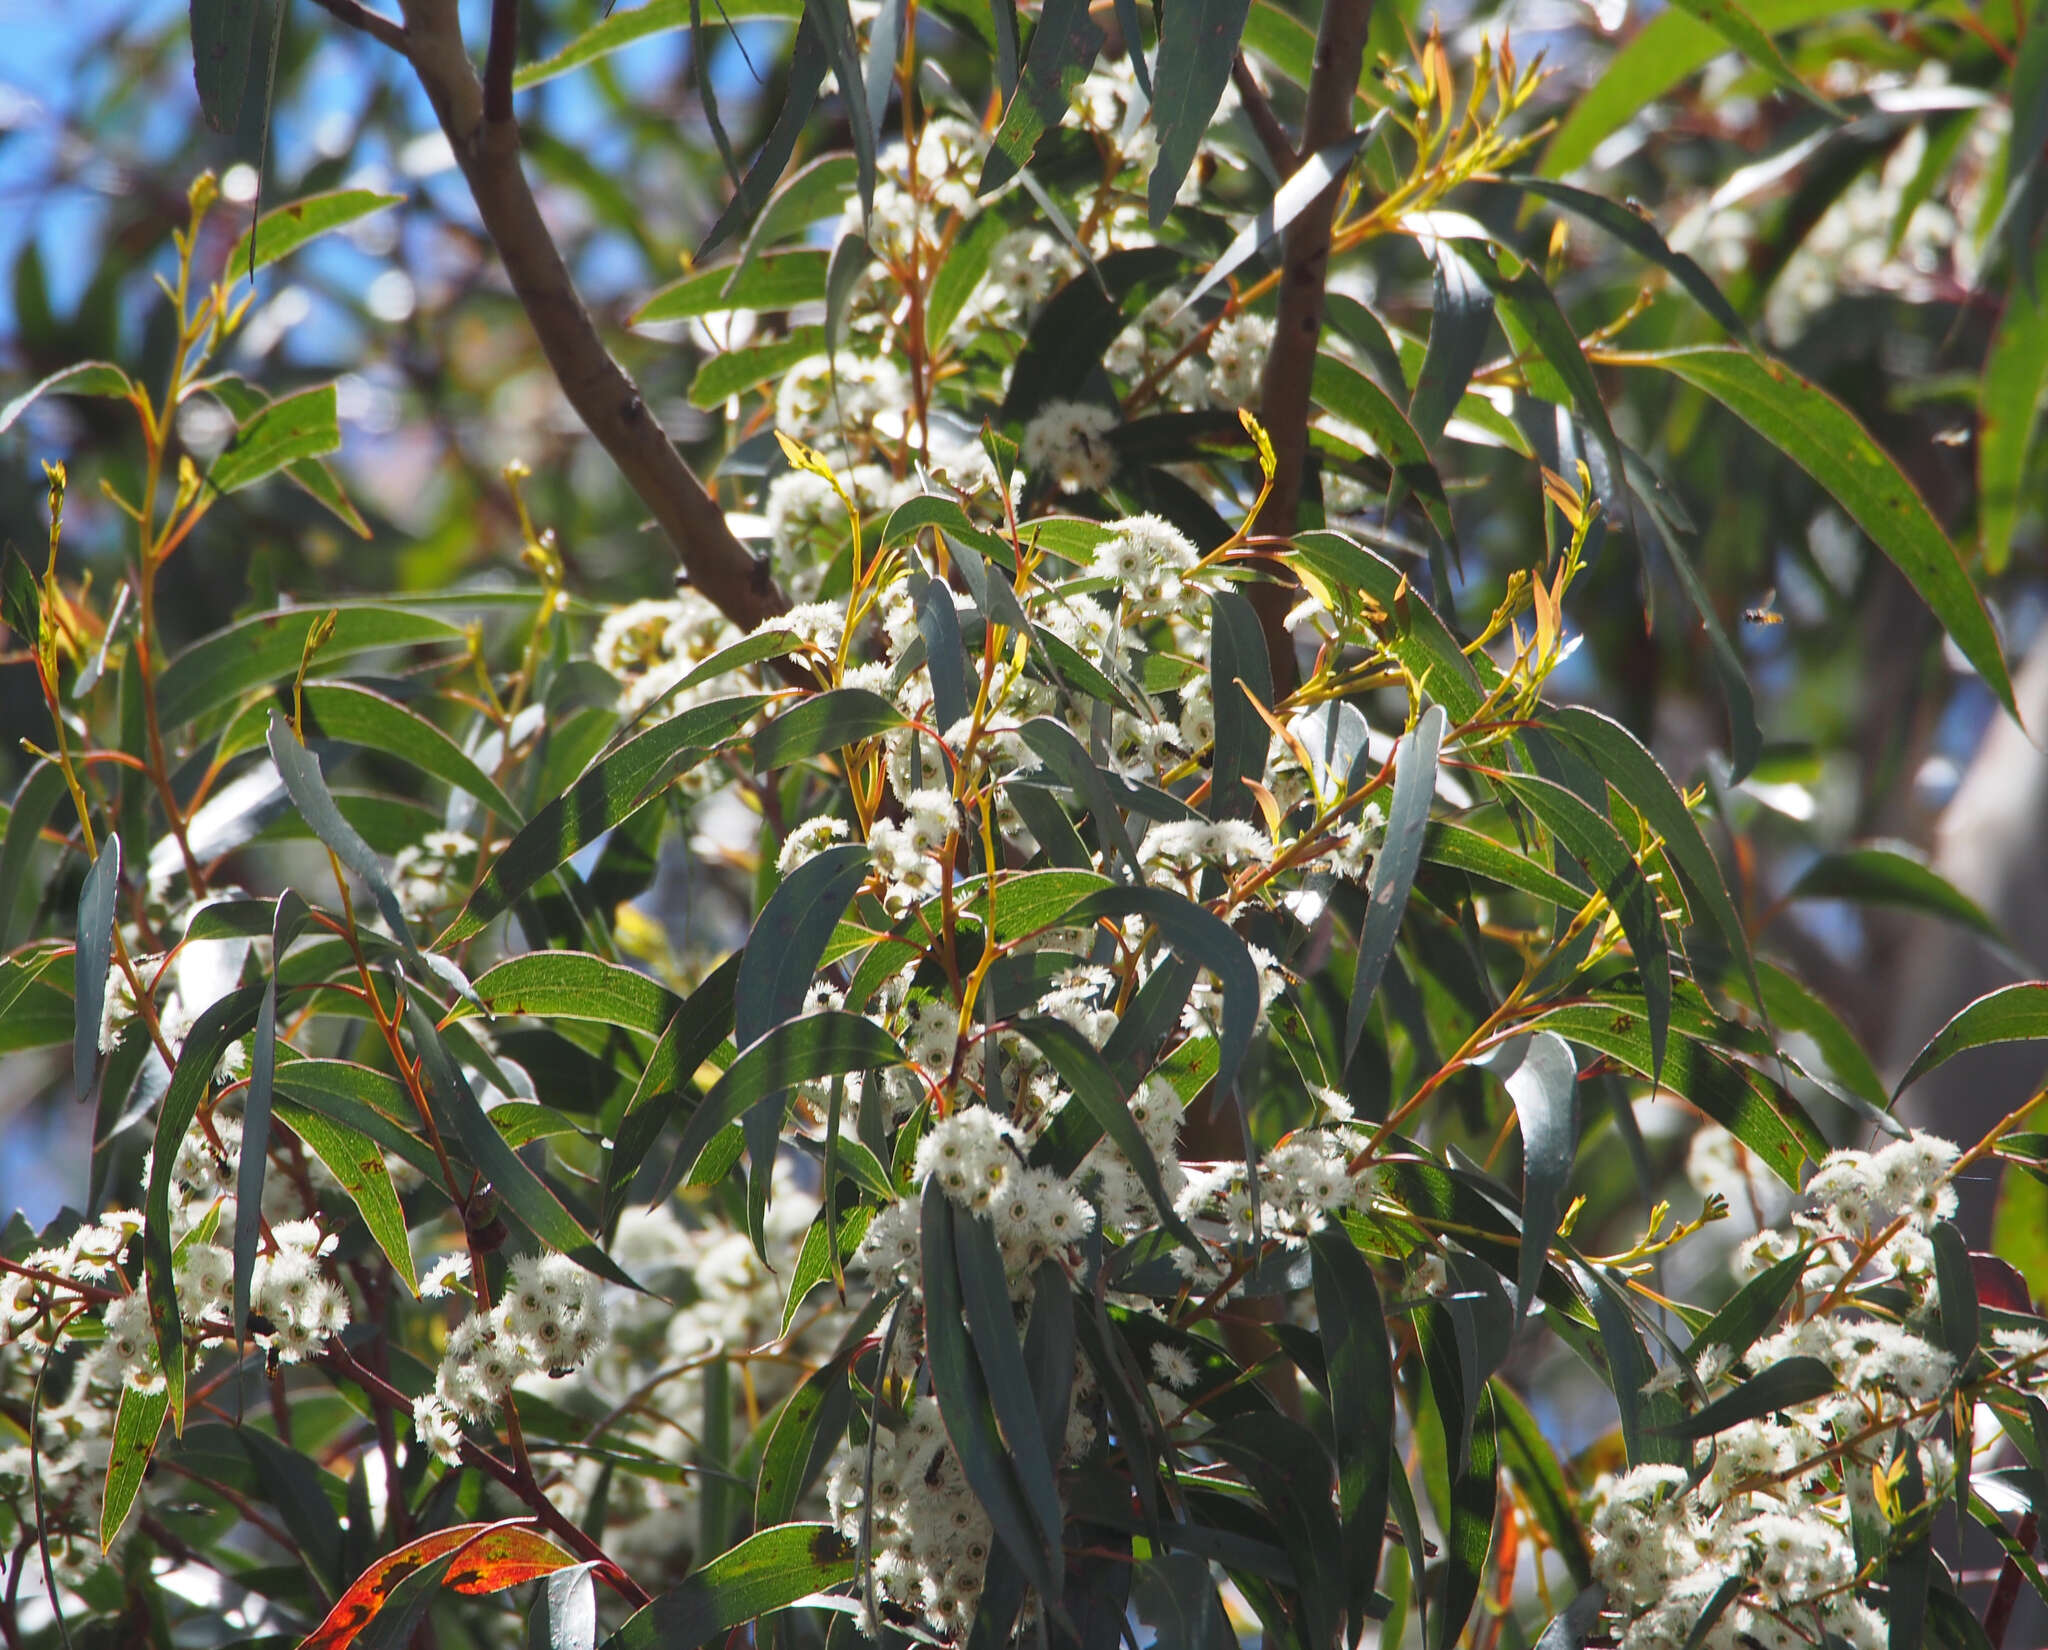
(484, 1558)
(1999, 1284)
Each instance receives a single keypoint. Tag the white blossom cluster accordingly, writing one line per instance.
(551, 1319)
(1777, 1502)
(434, 873)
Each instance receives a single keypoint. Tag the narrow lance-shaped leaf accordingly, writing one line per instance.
(1888, 873)
(1063, 49)
(769, 1571)
(217, 1027)
(1352, 1324)
(95, 956)
(283, 432)
(136, 1425)
(608, 793)
(1543, 1083)
(1197, 42)
(1824, 439)
(284, 229)
(357, 1163)
(1461, 317)
(1735, 25)
(834, 23)
(525, 1195)
(477, 1558)
(2011, 1014)
(292, 915)
(824, 722)
(808, 61)
(1470, 1532)
(1393, 870)
(2009, 401)
(349, 711)
(1310, 179)
(964, 1402)
(100, 378)
(1787, 1382)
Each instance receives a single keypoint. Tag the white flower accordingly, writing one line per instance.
(1173, 1366)
(444, 1275)
(1237, 355)
(1068, 441)
(807, 841)
(436, 1426)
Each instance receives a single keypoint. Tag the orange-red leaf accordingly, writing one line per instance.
(484, 1558)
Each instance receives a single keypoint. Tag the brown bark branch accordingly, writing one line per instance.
(499, 60)
(1266, 125)
(377, 26)
(604, 397)
(1305, 252)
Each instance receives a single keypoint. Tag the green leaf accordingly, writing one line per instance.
(826, 1044)
(697, 1029)
(1240, 685)
(2011, 1014)
(1079, 322)
(95, 955)
(136, 1425)
(1648, 789)
(101, 378)
(1670, 48)
(1824, 439)
(1734, 25)
(1393, 868)
(824, 722)
(1464, 849)
(283, 432)
(357, 1163)
(805, 1431)
(1534, 1466)
(243, 401)
(21, 598)
(739, 370)
(1743, 1101)
(959, 275)
(1543, 1083)
(1315, 176)
(769, 1571)
(574, 985)
(609, 792)
(1352, 1324)
(339, 1092)
(564, 1615)
(1424, 644)
(1957, 1287)
(526, 1197)
(1593, 842)
(223, 40)
(992, 1328)
(289, 921)
(965, 1406)
(218, 1025)
(281, 232)
(1197, 41)
(1095, 1088)
(774, 281)
(1639, 234)
(1754, 1307)
(359, 716)
(1461, 319)
(222, 667)
(789, 937)
(1341, 389)
(2009, 401)
(617, 29)
(1470, 1532)
(1891, 873)
(821, 1251)
(33, 804)
(807, 66)
(1062, 51)
(1785, 1383)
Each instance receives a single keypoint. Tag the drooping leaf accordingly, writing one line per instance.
(1530, 1460)
(965, 1406)
(702, 1023)
(2009, 402)
(95, 955)
(1307, 184)
(526, 1197)
(1543, 1083)
(1393, 868)
(1470, 1532)
(1351, 1322)
(807, 1428)
(1062, 51)
(283, 432)
(2011, 1014)
(769, 1571)
(223, 41)
(774, 281)
(808, 61)
(136, 1425)
(1783, 1384)
(1461, 318)
(1754, 1307)
(610, 792)
(1240, 687)
(621, 28)
(1079, 322)
(290, 920)
(739, 370)
(357, 1164)
(1824, 439)
(564, 1615)
(1887, 873)
(1341, 389)
(283, 230)
(574, 985)
(829, 1043)
(1197, 41)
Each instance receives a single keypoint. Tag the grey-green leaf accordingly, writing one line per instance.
(1393, 870)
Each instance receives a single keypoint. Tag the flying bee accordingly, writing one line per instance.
(1766, 611)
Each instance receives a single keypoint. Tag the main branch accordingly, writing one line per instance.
(1305, 265)
(486, 145)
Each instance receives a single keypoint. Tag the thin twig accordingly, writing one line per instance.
(359, 17)
(2006, 1595)
(1290, 368)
